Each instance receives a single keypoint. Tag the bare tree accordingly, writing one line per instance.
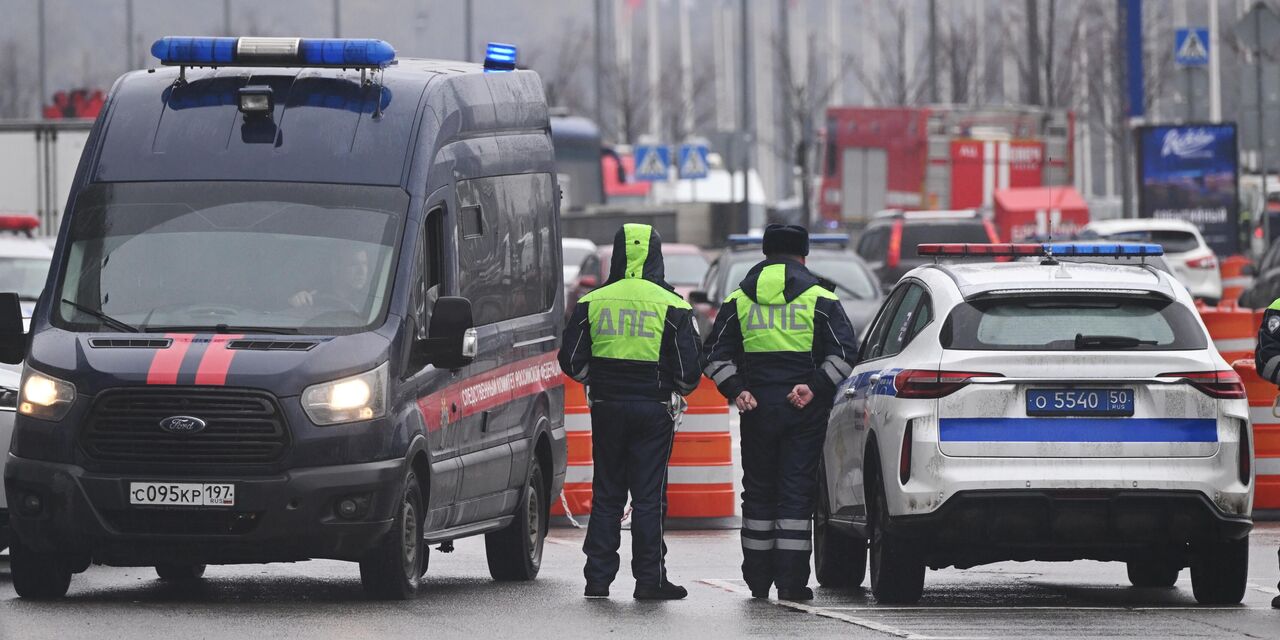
(700, 104)
(19, 92)
(560, 68)
(893, 83)
(958, 43)
(1106, 95)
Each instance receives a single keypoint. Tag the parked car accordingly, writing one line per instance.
(1266, 280)
(1193, 262)
(575, 251)
(1001, 412)
(24, 261)
(888, 244)
(829, 258)
(685, 265)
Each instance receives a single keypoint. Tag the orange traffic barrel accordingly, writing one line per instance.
(701, 472)
(1266, 435)
(1234, 282)
(577, 426)
(1234, 329)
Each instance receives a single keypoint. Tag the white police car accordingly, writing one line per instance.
(1050, 411)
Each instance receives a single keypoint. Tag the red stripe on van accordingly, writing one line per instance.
(216, 361)
(167, 362)
(491, 389)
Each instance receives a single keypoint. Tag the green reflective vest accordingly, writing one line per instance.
(629, 316)
(774, 324)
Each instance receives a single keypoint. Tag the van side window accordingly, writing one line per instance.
(430, 270)
(505, 262)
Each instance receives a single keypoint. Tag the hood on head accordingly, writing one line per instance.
(777, 281)
(637, 253)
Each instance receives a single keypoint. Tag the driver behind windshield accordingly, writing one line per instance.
(348, 283)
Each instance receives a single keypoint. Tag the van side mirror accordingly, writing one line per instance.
(699, 297)
(13, 338)
(452, 341)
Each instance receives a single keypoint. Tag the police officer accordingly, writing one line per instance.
(633, 343)
(780, 345)
(1267, 360)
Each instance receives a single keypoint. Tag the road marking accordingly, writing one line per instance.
(925, 609)
(824, 612)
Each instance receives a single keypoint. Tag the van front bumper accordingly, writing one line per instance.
(290, 516)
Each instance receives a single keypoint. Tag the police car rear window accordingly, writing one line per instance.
(1072, 323)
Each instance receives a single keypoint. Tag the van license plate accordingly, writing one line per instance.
(1080, 402)
(182, 494)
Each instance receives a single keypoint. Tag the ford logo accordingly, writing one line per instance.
(182, 425)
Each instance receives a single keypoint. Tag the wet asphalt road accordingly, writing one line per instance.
(322, 599)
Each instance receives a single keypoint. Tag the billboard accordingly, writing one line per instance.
(1188, 172)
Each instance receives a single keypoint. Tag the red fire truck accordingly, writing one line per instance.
(939, 157)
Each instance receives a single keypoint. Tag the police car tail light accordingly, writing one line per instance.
(928, 384)
(359, 397)
(895, 245)
(1224, 385)
(1207, 262)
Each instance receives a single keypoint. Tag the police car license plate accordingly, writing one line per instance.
(182, 494)
(1080, 402)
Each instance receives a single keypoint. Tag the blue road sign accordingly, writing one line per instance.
(652, 162)
(693, 162)
(1191, 47)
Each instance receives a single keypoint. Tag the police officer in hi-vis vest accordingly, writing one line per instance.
(1267, 360)
(634, 344)
(780, 345)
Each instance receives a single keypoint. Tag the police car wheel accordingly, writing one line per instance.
(840, 560)
(897, 570)
(1220, 571)
(180, 572)
(515, 553)
(38, 576)
(1152, 572)
(393, 570)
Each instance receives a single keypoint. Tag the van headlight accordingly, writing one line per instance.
(45, 397)
(359, 397)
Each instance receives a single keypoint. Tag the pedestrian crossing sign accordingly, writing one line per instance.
(1191, 47)
(693, 162)
(652, 162)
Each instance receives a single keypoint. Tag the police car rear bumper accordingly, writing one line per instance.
(980, 527)
(286, 517)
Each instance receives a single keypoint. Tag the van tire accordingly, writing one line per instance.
(1220, 571)
(36, 575)
(515, 552)
(393, 570)
(840, 560)
(1152, 573)
(180, 572)
(897, 570)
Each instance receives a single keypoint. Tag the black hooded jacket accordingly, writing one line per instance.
(636, 285)
(771, 375)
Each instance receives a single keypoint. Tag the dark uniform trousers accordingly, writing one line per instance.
(781, 446)
(631, 445)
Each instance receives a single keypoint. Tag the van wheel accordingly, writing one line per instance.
(1150, 572)
(180, 572)
(515, 552)
(38, 576)
(897, 570)
(840, 560)
(1220, 571)
(393, 570)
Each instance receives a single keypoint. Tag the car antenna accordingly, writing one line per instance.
(1049, 260)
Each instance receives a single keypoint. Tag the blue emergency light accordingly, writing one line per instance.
(1012, 250)
(499, 57)
(347, 53)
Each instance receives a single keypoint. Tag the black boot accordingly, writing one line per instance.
(795, 595)
(664, 591)
(1275, 602)
(596, 591)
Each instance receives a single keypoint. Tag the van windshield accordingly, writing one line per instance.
(230, 257)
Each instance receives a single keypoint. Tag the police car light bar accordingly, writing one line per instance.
(18, 222)
(1027, 249)
(348, 53)
(499, 57)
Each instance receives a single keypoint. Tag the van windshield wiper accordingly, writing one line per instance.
(107, 320)
(221, 328)
(1110, 342)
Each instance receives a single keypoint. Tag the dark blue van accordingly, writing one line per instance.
(305, 303)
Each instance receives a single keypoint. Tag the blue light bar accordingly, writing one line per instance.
(1103, 249)
(499, 57)
(274, 52)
